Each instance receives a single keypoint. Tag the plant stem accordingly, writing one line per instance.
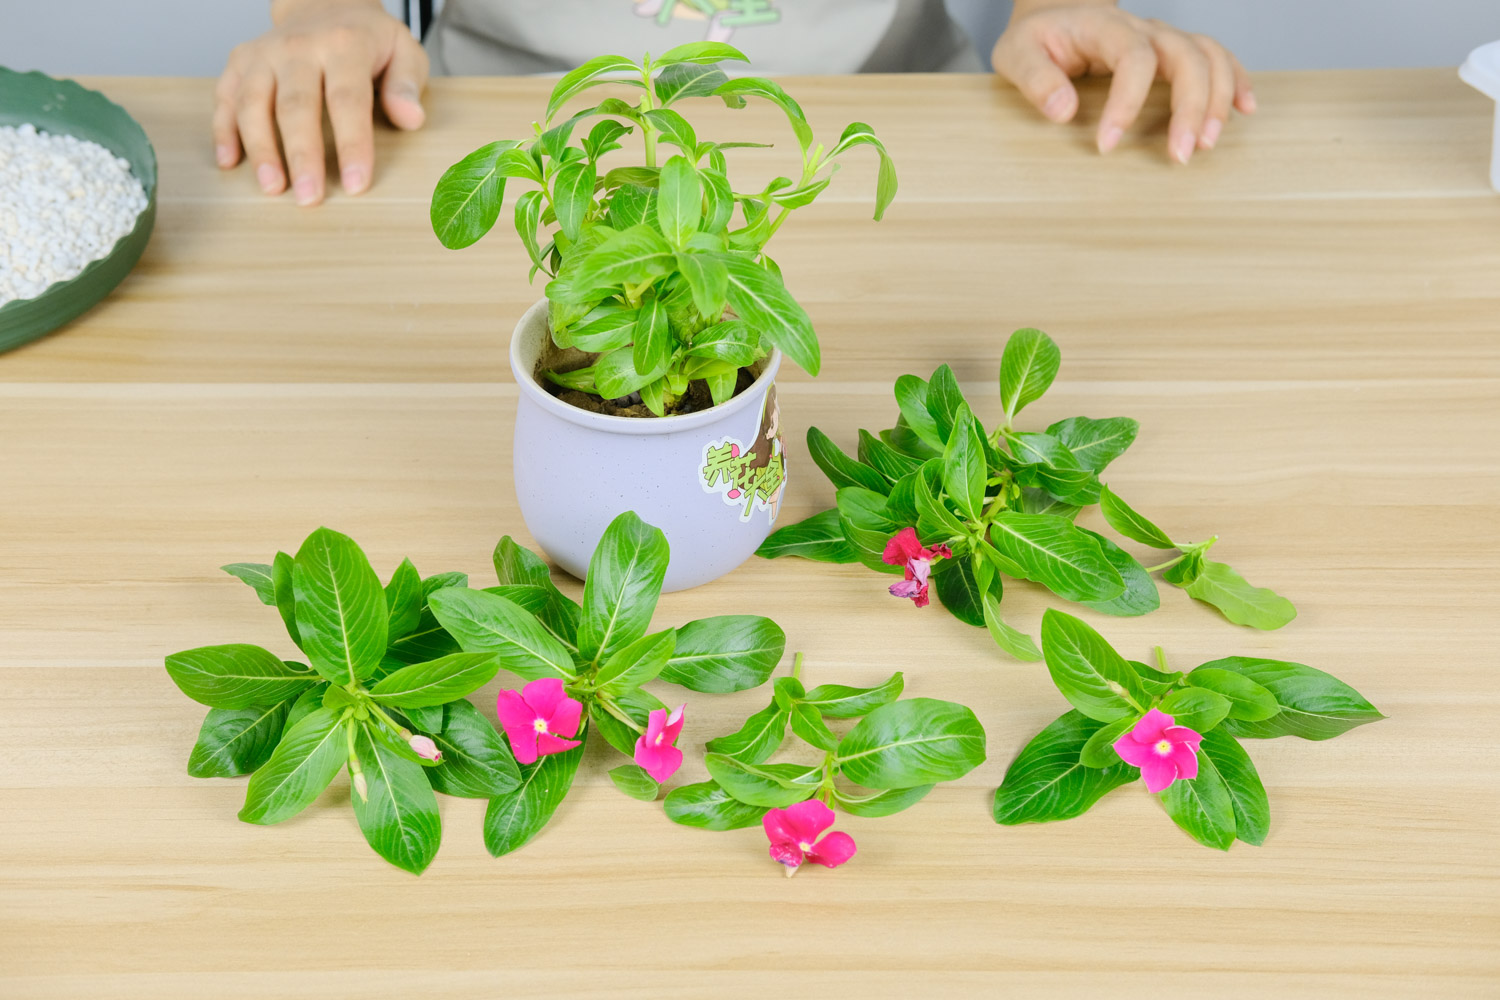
(797, 666)
(619, 713)
(1166, 565)
(825, 788)
(648, 131)
(400, 731)
(1161, 660)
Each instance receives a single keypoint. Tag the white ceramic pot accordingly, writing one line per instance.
(711, 480)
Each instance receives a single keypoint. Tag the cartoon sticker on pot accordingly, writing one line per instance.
(750, 478)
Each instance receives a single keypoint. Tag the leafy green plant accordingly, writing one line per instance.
(602, 654)
(382, 694)
(645, 258)
(896, 752)
(1074, 762)
(1003, 502)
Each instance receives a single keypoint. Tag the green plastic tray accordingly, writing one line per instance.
(63, 107)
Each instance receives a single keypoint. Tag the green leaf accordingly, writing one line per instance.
(428, 641)
(808, 725)
(700, 52)
(935, 522)
(1314, 705)
(400, 815)
(774, 785)
(964, 468)
(860, 134)
(679, 205)
(1056, 553)
(757, 739)
(623, 585)
(708, 807)
(304, 762)
(258, 577)
(944, 401)
(305, 704)
(631, 205)
(688, 80)
(486, 623)
(915, 742)
(1247, 796)
(633, 780)
(1197, 708)
(1140, 596)
(633, 665)
(236, 676)
(630, 256)
(1095, 679)
(1015, 642)
(709, 281)
(820, 538)
(751, 86)
(835, 701)
(1123, 518)
(517, 565)
(911, 397)
(403, 600)
(788, 691)
(341, 612)
(653, 338)
(1027, 368)
(1185, 572)
(886, 802)
(1096, 443)
(573, 195)
(1201, 806)
(1248, 701)
(1240, 602)
(867, 525)
(588, 75)
(235, 741)
(286, 599)
(637, 704)
(1050, 465)
(759, 298)
(517, 816)
(427, 719)
(1048, 780)
(467, 199)
(423, 685)
(603, 138)
(725, 653)
(675, 130)
(1099, 751)
(881, 457)
(956, 587)
(840, 469)
(477, 762)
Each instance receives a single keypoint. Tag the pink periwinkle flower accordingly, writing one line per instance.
(906, 551)
(1164, 752)
(655, 751)
(424, 747)
(794, 833)
(538, 719)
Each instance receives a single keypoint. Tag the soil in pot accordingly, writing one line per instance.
(567, 359)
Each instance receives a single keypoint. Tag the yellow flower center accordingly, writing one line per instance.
(540, 725)
(1164, 747)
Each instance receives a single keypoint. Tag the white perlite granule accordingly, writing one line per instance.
(63, 203)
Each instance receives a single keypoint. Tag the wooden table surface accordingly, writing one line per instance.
(1306, 322)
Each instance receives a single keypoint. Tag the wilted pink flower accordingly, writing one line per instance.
(424, 747)
(1164, 752)
(539, 719)
(905, 550)
(655, 751)
(794, 833)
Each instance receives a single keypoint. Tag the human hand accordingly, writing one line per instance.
(1050, 41)
(318, 50)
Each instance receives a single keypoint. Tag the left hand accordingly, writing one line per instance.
(1050, 41)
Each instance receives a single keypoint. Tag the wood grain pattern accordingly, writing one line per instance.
(1305, 322)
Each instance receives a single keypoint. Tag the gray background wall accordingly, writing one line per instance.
(192, 37)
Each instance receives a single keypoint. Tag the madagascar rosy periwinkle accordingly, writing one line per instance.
(656, 751)
(906, 551)
(1163, 751)
(797, 836)
(539, 719)
(424, 747)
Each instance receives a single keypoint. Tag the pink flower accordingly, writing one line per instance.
(538, 719)
(1162, 751)
(905, 550)
(794, 833)
(655, 751)
(424, 747)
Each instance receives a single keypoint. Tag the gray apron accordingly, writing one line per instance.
(515, 37)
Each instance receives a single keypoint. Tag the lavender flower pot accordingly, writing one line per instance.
(711, 480)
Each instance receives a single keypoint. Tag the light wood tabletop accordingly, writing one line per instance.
(1306, 321)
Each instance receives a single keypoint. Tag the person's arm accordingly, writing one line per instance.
(317, 50)
(1050, 41)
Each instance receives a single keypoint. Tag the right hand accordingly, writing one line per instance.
(318, 49)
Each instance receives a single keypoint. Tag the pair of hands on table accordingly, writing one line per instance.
(332, 50)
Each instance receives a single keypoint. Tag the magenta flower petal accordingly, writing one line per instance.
(808, 819)
(674, 724)
(833, 850)
(1159, 772)
(518, 720)
(544, 696)
(661, 762)
(1151, 727)
(921, 600)
(1185, 761)
(787, 853)
(920, 570)
(1182, 735)
(547, 743)
(1131, 752)
(565, 718)
(906, 588)
(902, 548)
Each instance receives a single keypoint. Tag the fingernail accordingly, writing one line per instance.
(407, 92)
(1249, 103)
(1211, 130)
(224, 155)
(354, 179)
(1182, 147)
(1109, 138)
(306, 190)
(269, 177)
(1059, 104)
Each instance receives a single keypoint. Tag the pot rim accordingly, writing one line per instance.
(628, 425)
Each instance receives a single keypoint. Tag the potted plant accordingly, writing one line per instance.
(647, 373)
